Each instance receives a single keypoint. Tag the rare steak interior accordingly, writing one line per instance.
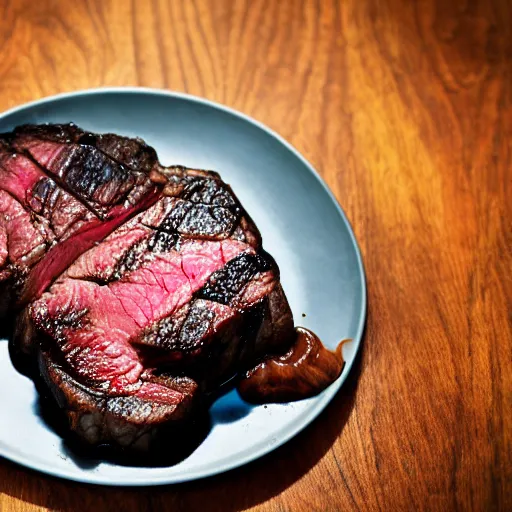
(139, 289)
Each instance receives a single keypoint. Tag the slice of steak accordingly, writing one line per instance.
(134, 421)
(35, 214)
(212, 342)
(153, 286)
(84, 171)
(79, 198)
(102, 168)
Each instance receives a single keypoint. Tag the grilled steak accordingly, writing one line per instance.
(139, 289)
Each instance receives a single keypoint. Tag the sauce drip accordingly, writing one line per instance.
(304, 371)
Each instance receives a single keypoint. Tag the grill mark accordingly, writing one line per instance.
(199, 220)
(196, 325)
(175, 217)
(131, 260)
(225, 284)
(91, 139)
(208, 221)
(55, 325)
(42, 199)
(162, 333)
(211, 192)
(93, 173)
(62, 185)
(161, 241)
(138, 253)
(181, 331)
(39, 194)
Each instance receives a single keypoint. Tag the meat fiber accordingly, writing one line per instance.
(139, 289)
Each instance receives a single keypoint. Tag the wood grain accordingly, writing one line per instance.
(406, 110)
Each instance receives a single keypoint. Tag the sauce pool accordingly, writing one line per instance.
(302, 372)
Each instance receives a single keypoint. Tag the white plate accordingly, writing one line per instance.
(302, 227)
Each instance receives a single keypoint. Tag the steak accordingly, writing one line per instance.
(139, 289)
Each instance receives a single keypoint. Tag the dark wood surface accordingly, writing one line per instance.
(405, 108)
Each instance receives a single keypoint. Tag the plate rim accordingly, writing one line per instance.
(324, 398)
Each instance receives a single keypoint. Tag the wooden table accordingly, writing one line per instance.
(406, 110)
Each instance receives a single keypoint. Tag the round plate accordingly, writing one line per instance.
(302, 227)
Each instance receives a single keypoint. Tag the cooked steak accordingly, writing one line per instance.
(139, 289)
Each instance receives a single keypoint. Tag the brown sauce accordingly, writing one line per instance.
(304, 371)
